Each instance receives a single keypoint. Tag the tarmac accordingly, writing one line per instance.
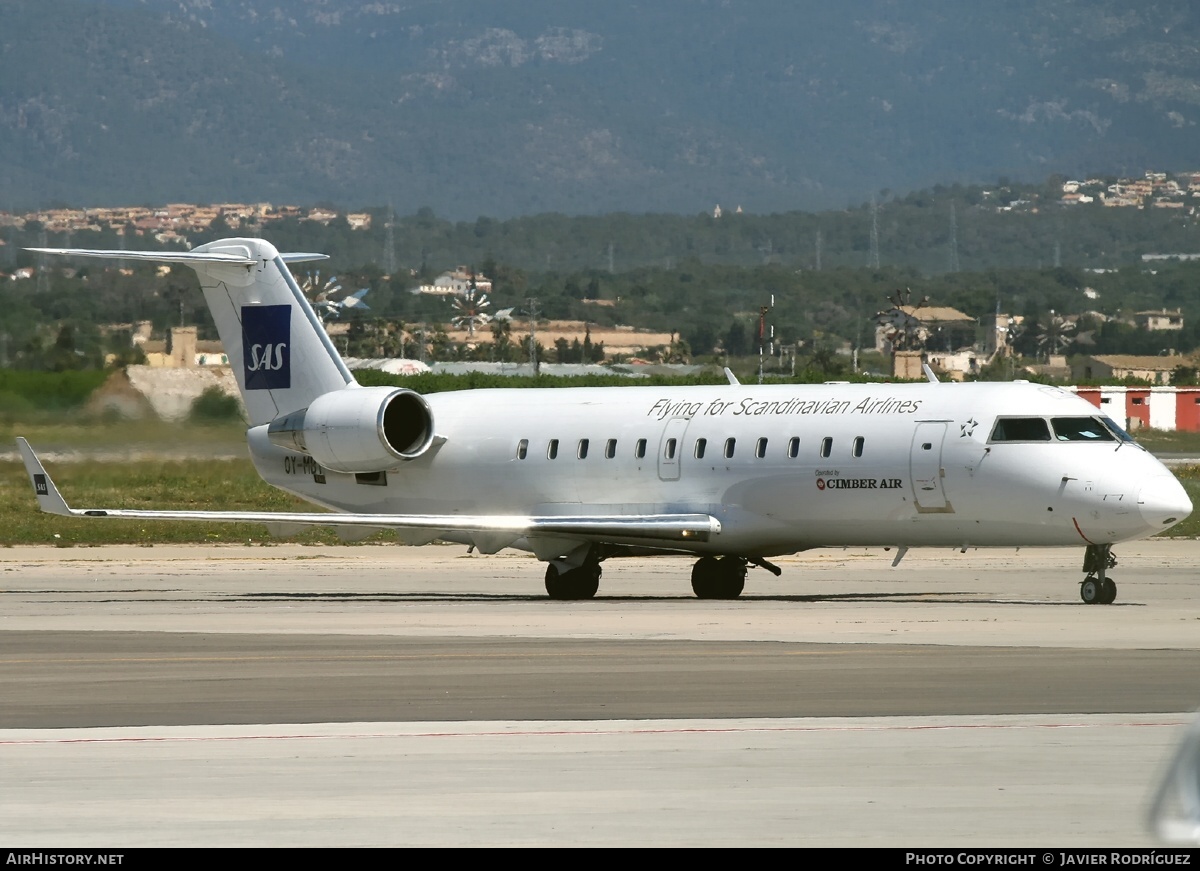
(284, 695)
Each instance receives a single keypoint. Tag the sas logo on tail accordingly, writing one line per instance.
(266, 346)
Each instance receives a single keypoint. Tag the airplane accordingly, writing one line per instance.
(729, 476)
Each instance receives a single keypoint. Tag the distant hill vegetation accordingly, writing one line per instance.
(698, 278)
(517, 107)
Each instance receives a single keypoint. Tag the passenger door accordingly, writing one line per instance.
(670, 449)
(925, 466)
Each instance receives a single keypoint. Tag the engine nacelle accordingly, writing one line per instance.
(359, 429)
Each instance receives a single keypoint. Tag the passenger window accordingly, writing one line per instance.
(669, 453)
(583, 449)
(1080, 429)
(701, 444)
(793, 448)
(610, 449)
(1021, 429)
(730, 444)
(639, 450)
(858, 446)
(522, 449)
(552, 450)
(760, 449)
(826, 446)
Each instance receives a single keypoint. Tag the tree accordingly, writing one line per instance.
(824, 360)
(503, 348)
(1055, 334)
(214, 405)
(679, 352)
(1188, 376)
(736, 343)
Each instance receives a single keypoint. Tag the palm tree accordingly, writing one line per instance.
(1055, 335)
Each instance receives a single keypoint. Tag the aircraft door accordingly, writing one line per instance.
(925, 466)
(670, 450)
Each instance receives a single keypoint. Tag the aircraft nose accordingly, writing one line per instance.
(1163, 502)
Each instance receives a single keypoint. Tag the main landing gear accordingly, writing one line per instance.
(1098, 588)
(712, 577)
(580, 583)
(723, 578)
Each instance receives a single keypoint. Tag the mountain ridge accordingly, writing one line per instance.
(505, 108)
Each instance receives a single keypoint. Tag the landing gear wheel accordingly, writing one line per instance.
(580, 583)
(556, 587)
(705, 577)
(723, 578)
(589, 580)
(733, 578)
(1108, 592)
(1092, 591)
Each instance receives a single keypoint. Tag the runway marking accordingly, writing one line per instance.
(584, 732)
(49, 659)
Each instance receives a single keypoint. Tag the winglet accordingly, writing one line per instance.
(48, 497)
(731, 378)
(929, 376)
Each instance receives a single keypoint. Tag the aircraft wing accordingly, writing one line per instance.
(491, 532)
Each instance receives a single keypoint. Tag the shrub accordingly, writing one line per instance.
(214, 405)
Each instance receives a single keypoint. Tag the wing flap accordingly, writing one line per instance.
(492, 542)
(492, 529)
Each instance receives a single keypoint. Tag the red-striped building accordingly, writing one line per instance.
(1166, 408)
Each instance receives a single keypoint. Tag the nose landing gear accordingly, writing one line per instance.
(1097, 588)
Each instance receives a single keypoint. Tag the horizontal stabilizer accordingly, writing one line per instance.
(302, 258)
(151, 256)
(174, 256)
(608, 527)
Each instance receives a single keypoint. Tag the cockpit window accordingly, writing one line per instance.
(1119, 431)
(1021, 429)
(1080, 429)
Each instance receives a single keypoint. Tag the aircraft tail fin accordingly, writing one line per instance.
(48, 497)
(280, 354)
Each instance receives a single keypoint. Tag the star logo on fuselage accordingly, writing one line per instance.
(968, 429)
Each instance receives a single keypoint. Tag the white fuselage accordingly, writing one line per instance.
(811, 465)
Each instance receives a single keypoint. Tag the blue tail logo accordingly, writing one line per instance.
(266, 342)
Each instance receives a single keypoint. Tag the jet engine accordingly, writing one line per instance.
(358, 429)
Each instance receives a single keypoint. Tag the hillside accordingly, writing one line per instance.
(505, 108)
